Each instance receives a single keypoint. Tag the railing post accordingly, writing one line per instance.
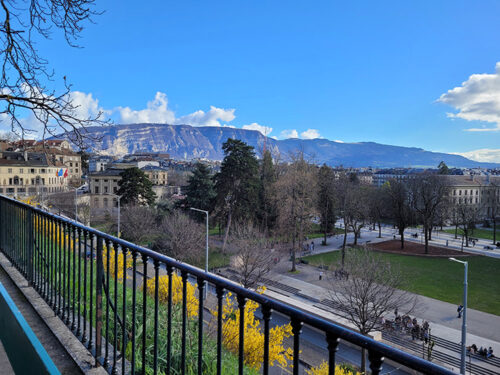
(376, 360)
(99, 286)
(333, 343)
(29, 249)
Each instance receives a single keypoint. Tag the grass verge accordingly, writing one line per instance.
(442, 279)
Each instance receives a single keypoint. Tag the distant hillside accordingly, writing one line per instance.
(188, 142)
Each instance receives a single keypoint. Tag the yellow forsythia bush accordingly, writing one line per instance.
(192, 301)
(113, 265)
(322, 369)
(254, 337)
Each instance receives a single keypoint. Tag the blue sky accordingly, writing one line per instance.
(350, 71)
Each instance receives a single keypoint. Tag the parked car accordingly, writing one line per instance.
(488, 247)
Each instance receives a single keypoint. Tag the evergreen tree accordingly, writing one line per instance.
(236, 184)
(136, 188)
(443, 168)
(200, 191)
(326, 199)
(268, 210)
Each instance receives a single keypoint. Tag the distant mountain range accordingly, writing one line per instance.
(188, 142)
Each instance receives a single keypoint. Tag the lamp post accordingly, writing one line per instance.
(118, 219)
(206, 251)
(464, 318)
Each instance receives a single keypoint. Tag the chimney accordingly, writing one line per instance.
(25, 153)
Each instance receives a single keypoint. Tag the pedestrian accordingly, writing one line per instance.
(321, 275)
(426, 336)
(312, 245)
(396, 312)
(460, 308)
(446, 243)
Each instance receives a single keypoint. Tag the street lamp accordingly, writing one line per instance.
(206, 251)
(464, 317)
(118, 220)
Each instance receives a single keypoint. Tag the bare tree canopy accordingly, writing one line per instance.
(26, 78)
(254, 254)
(181, 237)
(371, 290)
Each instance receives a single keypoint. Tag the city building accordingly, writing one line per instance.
(30, 173)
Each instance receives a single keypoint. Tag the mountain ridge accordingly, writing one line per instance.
(189, 142)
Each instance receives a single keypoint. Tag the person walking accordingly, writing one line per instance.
(321, 275)
(460, 308)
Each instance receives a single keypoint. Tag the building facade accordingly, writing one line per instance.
(29, 173)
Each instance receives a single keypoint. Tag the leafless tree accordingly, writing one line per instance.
(400, 208)
(352, 197)
(491, 207)
(181, 237)
(138, 223)
(379, 204)
(369, 289)
(295, 197)
(467, 214)
(254, 254)
(26, 76)
(428, 194)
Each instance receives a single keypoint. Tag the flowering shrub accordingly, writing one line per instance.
(322, 369)
(192, 301)
(113, 265)
(254, 337)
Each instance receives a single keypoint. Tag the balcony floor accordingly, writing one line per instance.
(57, 353)
(4, 362)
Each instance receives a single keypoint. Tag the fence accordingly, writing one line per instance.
(137, 311)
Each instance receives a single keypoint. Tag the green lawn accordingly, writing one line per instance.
(479, 233)
(442, 279)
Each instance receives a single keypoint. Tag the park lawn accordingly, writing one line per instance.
(479, 233)
(442, 279)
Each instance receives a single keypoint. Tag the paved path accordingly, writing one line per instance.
(483, 329)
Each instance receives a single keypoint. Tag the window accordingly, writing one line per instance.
(465, 192)
(70, 164)
(105, 189)
(21, 170)
(105, 180)
(10, 170)
(43, 170)
(115, 189)
(96, 202)
(477, 192)
(477, 200)
(105, 202)
(32, 170)
(470, 191)
(460, 193)
(96, 190)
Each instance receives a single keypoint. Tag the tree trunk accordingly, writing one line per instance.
(294, 268)
(226, 234)
(343, 245)
(494, 231)
(402, 235)
(363, 360)
(379, 230)
(430, 233)
(456, 231)
(426, 237)
(355, 237)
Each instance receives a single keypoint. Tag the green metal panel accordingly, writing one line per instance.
(26, 354)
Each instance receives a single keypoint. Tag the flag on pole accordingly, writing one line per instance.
(60, 173)
(65, 173)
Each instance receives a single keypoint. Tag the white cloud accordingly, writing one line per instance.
(261, 128)
(477, 99)
(310, 134)
(157, 111)
(338, 141)
(85, 105)
(210, 118)
(484, 154)
(289, 134)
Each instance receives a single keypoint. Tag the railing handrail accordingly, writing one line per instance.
(331, 328)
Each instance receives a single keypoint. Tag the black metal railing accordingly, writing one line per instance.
(93, 282)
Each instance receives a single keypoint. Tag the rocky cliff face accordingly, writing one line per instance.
(188, 142)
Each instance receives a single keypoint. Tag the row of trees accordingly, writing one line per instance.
(284, 199)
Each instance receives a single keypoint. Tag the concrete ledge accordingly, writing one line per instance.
(68, 340)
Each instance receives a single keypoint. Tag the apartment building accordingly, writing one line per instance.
(30, 173)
